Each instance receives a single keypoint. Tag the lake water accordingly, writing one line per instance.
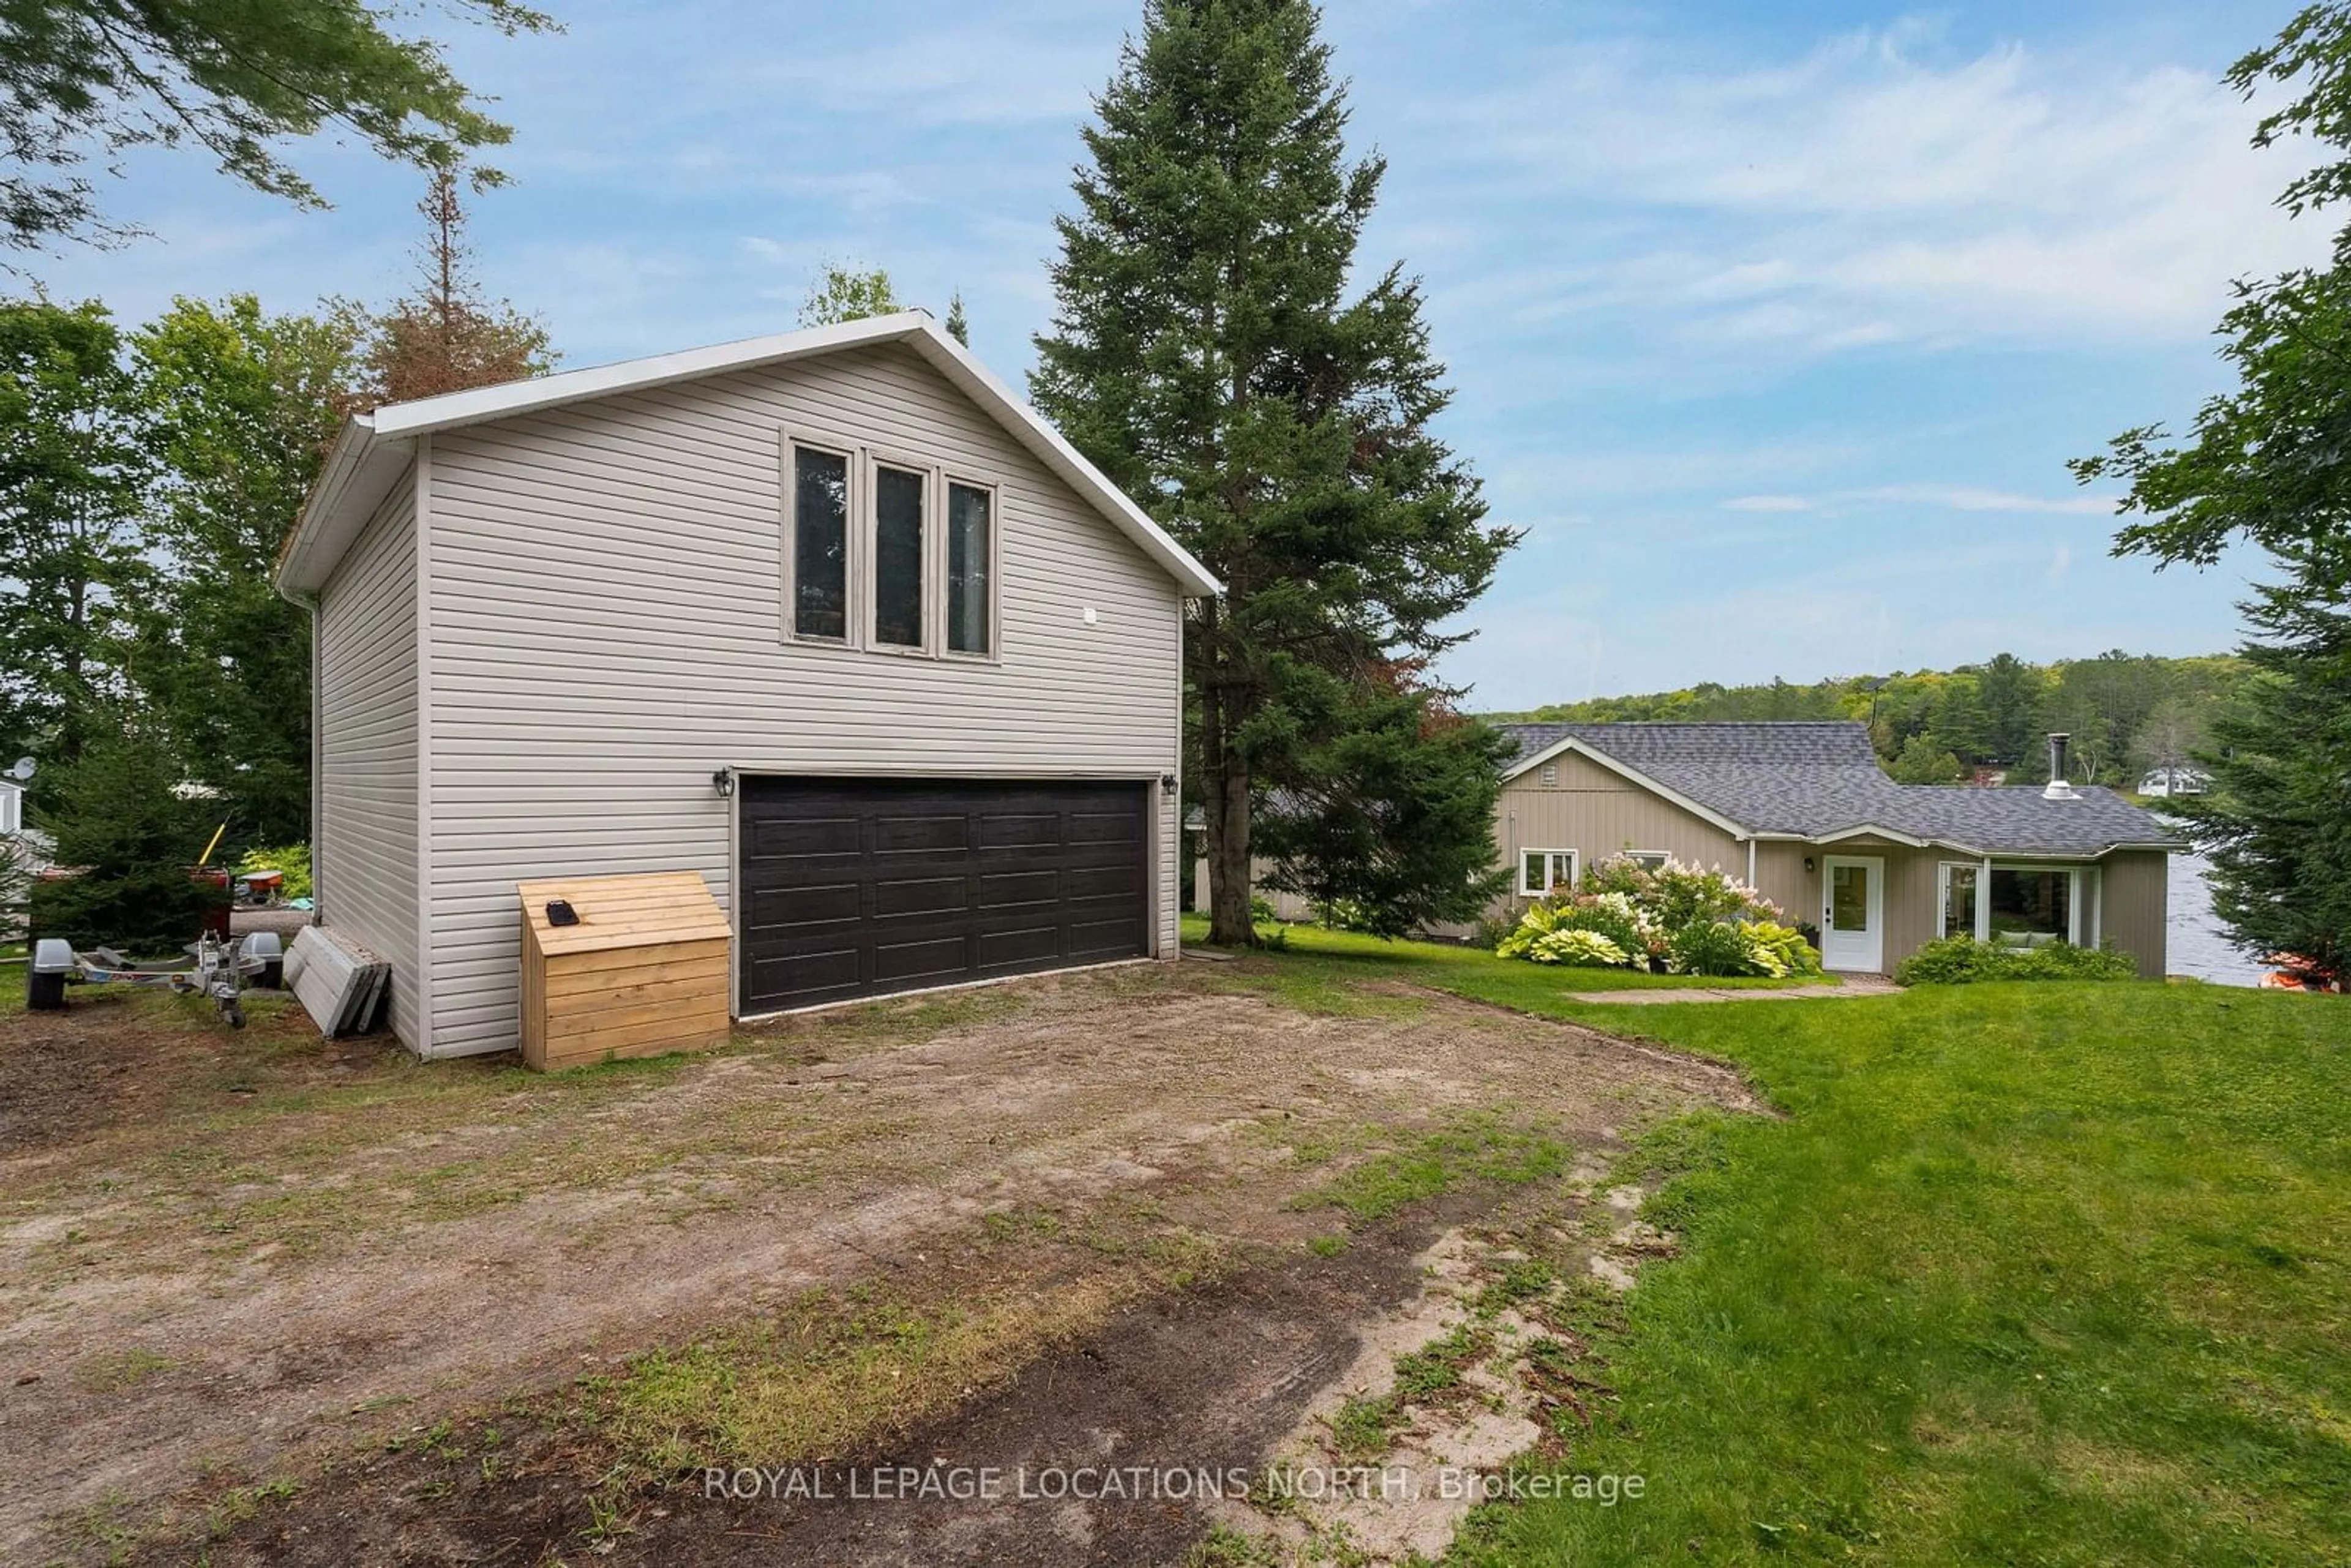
(2195, 944)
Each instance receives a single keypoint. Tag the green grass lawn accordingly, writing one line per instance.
(1314, 957)
(2029, 1273)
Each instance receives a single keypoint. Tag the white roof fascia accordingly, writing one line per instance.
(1570, 743)
(915, 327)
(1875, 830)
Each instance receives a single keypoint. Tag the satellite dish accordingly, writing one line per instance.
(24, 768)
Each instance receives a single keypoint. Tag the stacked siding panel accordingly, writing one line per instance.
(366, 837)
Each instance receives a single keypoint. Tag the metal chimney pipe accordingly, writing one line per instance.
(2059, 788)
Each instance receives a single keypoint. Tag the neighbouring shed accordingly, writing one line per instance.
(638, 968)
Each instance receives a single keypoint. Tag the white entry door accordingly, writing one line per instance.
(1853, 913)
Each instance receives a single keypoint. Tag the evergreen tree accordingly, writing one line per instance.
(2268, 461)
(958, 325)
(2278, 821)
(120, 820)
(447, 337)
(1206, 355)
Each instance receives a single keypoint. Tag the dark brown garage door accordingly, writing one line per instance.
(855, 886)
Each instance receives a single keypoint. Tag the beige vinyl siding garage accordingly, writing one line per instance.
(605, 606)
(366, 836)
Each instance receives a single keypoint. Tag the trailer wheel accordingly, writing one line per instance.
(45, 993)
(235, 1014)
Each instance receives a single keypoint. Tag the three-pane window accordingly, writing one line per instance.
(888, 554)
(898, 540)
(970, 593)
(820, 544)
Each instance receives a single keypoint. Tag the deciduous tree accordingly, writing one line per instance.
(74, 468)
(242, 407)
(82, 82)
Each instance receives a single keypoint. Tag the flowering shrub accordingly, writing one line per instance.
(1686, 895)
(1710, 947)
(1779, 950)
(1694, 921)
(1583, 949)
(1603, 935)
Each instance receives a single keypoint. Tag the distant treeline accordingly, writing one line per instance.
(2128, 714)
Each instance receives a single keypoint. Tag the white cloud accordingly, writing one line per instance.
(1969, 498)
(1767, 504)
(1861, 194)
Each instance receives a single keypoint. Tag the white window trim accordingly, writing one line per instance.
(12, 811)
(995, 489)
(853, 575)
(934, 593)
(1943, 871)
(2077, 886)
(1575, 871)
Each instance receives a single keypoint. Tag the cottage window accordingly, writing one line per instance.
(898, 546)
(971, 569)
(1539, 871)
(1649, 859)
(1958, 899)
(2033, 905)
(817, 554)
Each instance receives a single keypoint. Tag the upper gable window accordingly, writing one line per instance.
(888, 552)
(818, 552)
(971, 569)
(899, 553)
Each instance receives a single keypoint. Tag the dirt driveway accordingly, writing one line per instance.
(230, 1263)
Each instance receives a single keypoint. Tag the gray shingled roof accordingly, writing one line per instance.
(1818, 777)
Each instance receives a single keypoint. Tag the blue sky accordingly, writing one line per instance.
(1773, 326)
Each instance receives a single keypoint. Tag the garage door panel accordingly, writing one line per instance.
(1103, 881)
(921, 895)
(930, 958)
(818, 977)
(825, 835)
(1095, 938)
(1009, 829)
(857, 886)
(1028, 947)
(923, 833)
(776, 909)
(1104, 828)
(1014, 888)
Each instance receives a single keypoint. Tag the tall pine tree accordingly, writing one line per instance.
(2270, 461)
(1206, 354)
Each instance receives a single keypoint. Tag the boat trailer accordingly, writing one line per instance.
(212, 967)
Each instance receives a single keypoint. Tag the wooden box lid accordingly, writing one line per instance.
(642, 910)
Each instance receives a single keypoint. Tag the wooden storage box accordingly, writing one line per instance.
(643, 972)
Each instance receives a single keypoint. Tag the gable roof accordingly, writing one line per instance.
(1821, 779)
(373, 449)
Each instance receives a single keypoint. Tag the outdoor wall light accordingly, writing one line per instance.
(723, 782)
(1167, 780)
(1808, 860)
